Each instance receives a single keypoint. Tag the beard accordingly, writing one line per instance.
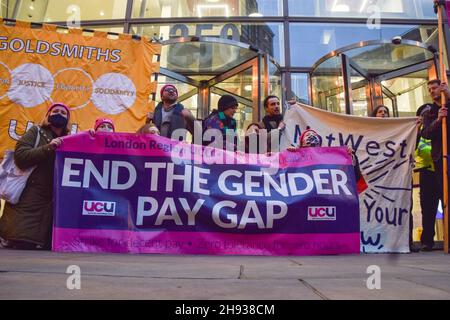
(170, 100)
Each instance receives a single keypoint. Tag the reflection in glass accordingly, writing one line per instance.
(274, 80)
(207, 58)
(328, 86)
(360, 88)
(375, 9)
(299, 85)
(267, 37)
(113, 29)
(7, 9)
(411, 91)
(310, 42)
(240, 84)
(206, 8)
(69, 10)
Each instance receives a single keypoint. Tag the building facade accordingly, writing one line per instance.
(295, 34)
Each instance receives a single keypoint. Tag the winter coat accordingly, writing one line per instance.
(30, 220)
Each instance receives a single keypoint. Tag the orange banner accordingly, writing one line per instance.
(92, 74)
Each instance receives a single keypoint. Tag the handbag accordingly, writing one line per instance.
(12, 179)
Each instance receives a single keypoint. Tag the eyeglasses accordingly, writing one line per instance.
(170, 90)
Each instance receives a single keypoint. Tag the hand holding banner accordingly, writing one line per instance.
(124, 193)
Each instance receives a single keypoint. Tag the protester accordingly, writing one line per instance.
(223, 119)
(273, 119)
(28, 224)
(380, 112)
(103, 125)
(272, 123)
(311, 139)
(148, 128)
(429, 195)
(171, 115)
(433, 114)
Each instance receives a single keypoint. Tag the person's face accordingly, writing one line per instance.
(105, 127)
(310, 139)
(273, 107)
(382, 113)
(59, 110)
(169, 95)
(435, 91)
(230, 111)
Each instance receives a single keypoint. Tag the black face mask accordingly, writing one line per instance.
(57, 120)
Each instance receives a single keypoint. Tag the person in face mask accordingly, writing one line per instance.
(28, 224)
(103, 125)
(311, 139)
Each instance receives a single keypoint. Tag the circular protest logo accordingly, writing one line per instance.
(5, 79)
(113, 93)
(31, 85)
(73, 86)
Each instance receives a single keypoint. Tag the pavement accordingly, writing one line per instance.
(43, 275)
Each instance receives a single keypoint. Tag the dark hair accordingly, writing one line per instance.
(374, 112)
(146, 128)
(434, 81)
(256, 124)
(266, 100)
(226, 101)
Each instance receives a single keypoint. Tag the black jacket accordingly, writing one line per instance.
(177, 120)
(432, 129)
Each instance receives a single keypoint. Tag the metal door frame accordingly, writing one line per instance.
(204, 88)
(347, 63)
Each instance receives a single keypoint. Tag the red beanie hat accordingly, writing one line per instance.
(99, 121)
(165, 86)
(59, 104)
(310, 130)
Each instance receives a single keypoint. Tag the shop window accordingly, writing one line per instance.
(267, 37)
(206, 8)
(311, 41)
(372, 9)
(71, 11)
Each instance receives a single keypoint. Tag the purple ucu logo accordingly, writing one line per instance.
(321, 213)
(99, 208)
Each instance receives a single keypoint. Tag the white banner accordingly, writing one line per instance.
(385, 150)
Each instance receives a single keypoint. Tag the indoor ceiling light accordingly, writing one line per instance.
(255, 14)
(326, 36)
(224, 7)
(363, 5)
(340, 7)
(248, 87)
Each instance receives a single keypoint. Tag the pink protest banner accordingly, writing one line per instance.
(131, 194)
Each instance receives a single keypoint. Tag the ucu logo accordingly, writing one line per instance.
(99, 208)
(321, 213)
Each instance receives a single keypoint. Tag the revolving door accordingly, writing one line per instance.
(205, 68)
(358, 78)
